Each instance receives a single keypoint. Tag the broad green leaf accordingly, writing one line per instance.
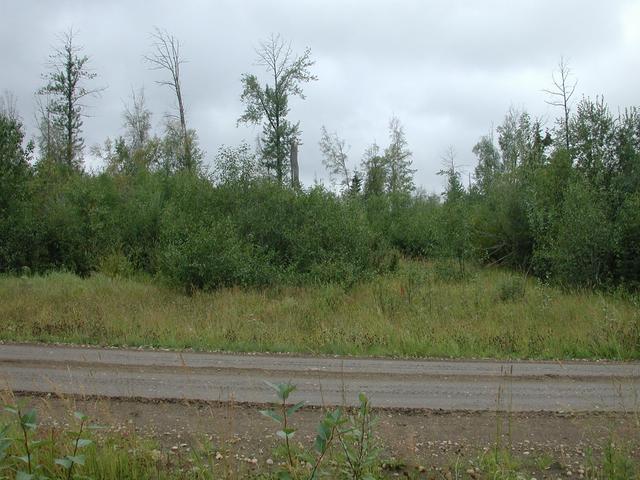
(79, 459)
(35, 444)
(282, 389)
(287, 433)
(84, 442)
(64, 463)
(29, 420)
(273, 415)
(80, 416)
(285, 389)
(24, 476)
(336, 415)
(320, 444)
(294, 408)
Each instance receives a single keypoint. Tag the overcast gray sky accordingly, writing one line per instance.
(448, 69)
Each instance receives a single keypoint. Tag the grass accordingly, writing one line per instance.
(422, 310)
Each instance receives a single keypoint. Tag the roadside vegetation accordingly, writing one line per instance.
(558, 202)
(346, 445)
(536, 255)
(536, 258)
(421, 309)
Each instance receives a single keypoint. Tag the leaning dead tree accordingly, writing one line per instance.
(561, 94)
(165, 56)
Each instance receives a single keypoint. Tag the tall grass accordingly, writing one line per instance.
(421, 310)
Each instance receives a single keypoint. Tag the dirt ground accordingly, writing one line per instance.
(548, 445)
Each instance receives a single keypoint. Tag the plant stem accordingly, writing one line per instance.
(75, 450)
(319, 459)
(286, 435)
(26, 440)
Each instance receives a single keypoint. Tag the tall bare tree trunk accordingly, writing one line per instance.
(295, 172)
(166, 56)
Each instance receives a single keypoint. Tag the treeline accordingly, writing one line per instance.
(567, 214)
(560, 203)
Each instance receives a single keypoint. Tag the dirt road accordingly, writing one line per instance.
(419, 384)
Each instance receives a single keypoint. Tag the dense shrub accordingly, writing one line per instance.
(568, 215)
(260, 232)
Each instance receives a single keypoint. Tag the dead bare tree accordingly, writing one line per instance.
(165, 56)
(561, 95)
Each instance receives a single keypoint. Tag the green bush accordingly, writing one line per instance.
(511, 289)
(116, 265)
(583, 249)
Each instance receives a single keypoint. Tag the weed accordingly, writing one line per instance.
(511, 289)
(415, 313)
(283, 390)
(116, 265)
(449, 271)
(26, 461)
(499, 464)
(358, 443)
(617, 464)
(387, 301)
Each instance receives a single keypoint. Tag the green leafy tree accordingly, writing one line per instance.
(67, 91)
(236, 165)
(520, 142)
(50, 137)
(334, 158)
(489, 165)
(15, 173)
(455, 224)
(137, 121)
(399, 179)
(270, 103)
(583, 250)
(172, 152)
(355, 185)
(628, 241)
(375, 170)
(593, 140)
(626, 164)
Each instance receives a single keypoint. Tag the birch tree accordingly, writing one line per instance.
(165, 56)
(269, 103)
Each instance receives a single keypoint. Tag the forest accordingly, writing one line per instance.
(560, 201)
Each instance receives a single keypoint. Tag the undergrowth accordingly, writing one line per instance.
(421, 310)
(346, 446)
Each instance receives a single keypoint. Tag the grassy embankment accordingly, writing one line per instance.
(421, 310)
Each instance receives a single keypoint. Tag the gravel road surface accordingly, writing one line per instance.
(412, 384)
